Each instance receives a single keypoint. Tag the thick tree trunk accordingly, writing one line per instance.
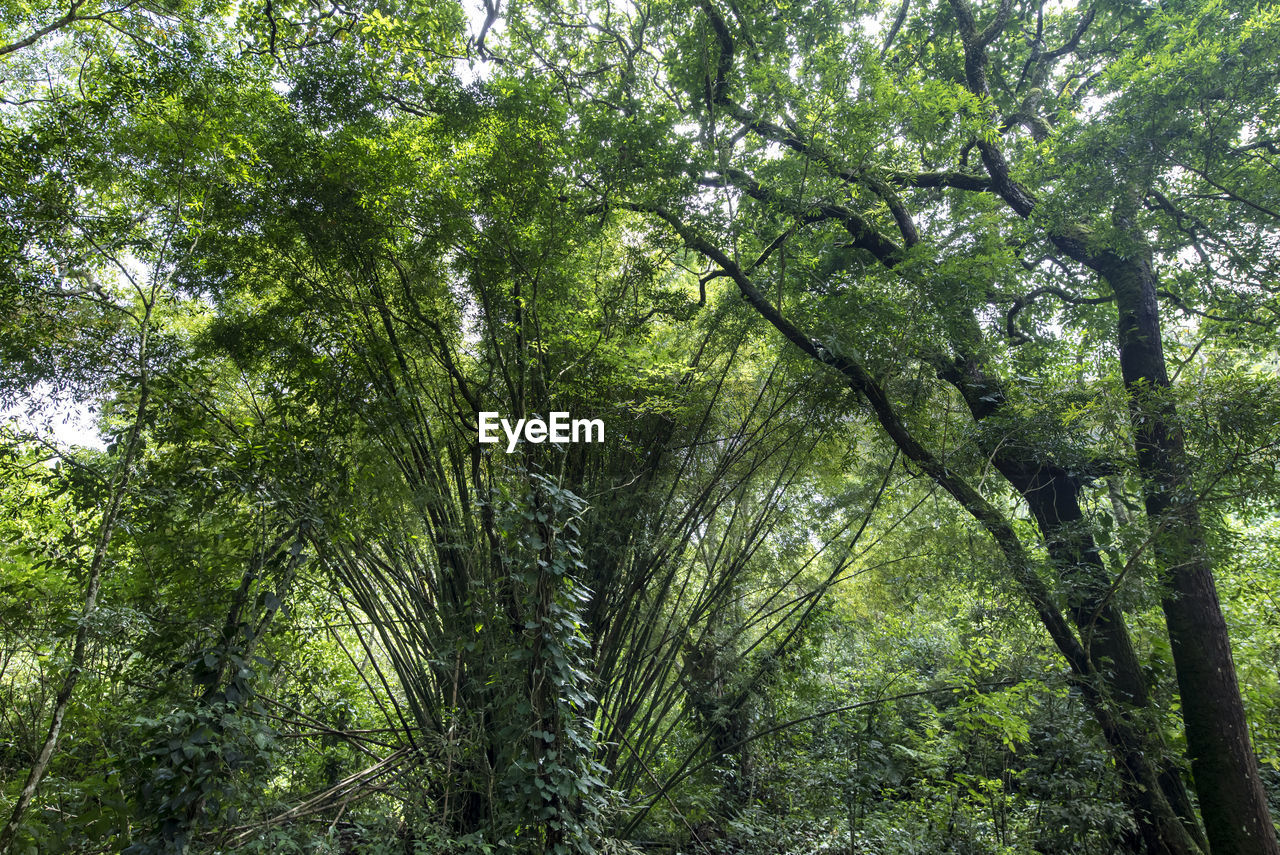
(1053, 497)
(1232, 799)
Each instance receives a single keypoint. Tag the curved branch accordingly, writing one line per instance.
(993, 29)
(1222, 319)
(1073, 42)
(955, 180)
(66, 20)
(1020, 303)
(897, 25)
(865, 235)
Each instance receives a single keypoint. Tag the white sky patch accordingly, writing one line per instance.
(1093, 105)
(61, 418)
(66, 423)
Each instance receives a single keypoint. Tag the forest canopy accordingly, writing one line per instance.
(933, 349)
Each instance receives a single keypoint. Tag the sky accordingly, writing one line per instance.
(67, 423)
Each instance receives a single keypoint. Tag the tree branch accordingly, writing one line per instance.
(70, 18)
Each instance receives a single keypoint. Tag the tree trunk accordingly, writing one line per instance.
(1053, 497)
(1233, 802)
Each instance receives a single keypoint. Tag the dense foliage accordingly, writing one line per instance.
(935, 348)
